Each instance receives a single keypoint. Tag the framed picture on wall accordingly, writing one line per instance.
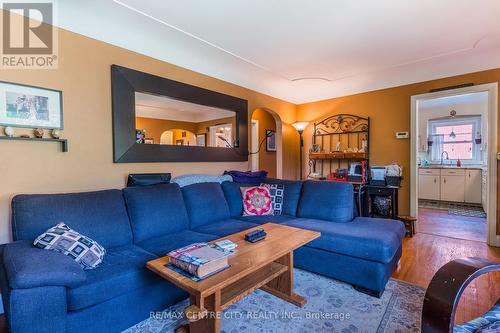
(201, 140)
(29, 106)
(270, 140)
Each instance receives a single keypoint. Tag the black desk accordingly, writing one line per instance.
(383, 191)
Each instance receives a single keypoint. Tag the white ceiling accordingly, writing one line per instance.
(161, 107)
(300, 50)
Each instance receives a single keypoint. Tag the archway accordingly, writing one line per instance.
(178, 137)
(269, 157)
(167, 138)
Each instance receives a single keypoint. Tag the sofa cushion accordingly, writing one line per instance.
(161, 245)
(277, 193)
(99, 215)
(205, 203)
(266, 218)
(256, 200)
(366, 238)
(226, 227)
(291, 195)
(61, 238)
(326, 200)
(123, 270)
(155, 210)
(232, 193)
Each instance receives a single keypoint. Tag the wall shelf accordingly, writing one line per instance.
(64, 142)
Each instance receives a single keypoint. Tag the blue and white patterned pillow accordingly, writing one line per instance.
(61, 238)
(277, 192)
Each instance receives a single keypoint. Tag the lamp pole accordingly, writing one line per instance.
(300, 126)
(301, 146)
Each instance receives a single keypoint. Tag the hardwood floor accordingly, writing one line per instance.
(424, 254)
(439, 222)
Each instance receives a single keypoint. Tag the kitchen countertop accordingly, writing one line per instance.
(438, 166)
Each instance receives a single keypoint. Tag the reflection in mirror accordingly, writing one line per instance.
(167, 121)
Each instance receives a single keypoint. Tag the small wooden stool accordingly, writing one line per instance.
(409, 222)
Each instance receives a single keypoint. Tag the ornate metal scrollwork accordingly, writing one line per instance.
(341, 123)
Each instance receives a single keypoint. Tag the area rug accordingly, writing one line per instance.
(332, 306)
(470, 210)
(466, 210)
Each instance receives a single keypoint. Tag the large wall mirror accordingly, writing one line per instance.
(160, 120)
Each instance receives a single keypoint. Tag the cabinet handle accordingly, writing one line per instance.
(444, 180)
(435, 180)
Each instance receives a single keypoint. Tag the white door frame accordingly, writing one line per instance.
(492, 89)
(254, 146)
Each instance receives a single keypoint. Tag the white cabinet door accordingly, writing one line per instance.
(428, 187)
(453, 188)
(473, 186)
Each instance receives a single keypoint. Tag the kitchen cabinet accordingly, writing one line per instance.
(453, 188)
(428, 187)
(473, 180)
(450, 184)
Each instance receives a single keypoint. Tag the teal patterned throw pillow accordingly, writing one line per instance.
(61, 238)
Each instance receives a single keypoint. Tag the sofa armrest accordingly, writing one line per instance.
(29, 267)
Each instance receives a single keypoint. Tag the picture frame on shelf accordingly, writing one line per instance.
(30, 106)
(149, 141)
(270, 140)
(140, 136)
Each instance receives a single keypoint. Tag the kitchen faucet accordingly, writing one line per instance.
(447, 156)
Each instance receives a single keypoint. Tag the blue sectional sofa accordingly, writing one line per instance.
(45, 291)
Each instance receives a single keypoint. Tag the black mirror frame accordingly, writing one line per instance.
(125, 82)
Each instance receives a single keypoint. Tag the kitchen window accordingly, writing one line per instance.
(459, 137)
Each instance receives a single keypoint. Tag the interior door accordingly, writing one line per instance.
(453, 188)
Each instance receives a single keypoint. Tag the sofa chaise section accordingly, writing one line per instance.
(358, 250)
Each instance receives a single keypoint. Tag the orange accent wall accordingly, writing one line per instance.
(389, 111)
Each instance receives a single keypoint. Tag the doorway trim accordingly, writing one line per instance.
(254, 145)
(492, 89)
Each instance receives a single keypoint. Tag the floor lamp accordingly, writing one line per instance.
(300, 126)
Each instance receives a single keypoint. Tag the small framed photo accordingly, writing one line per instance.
(201, 140)
(140, 136)
(270, 140)
(179, 142)
(149, 141)
(29, 106)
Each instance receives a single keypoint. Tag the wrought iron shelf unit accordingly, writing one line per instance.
(344, 131)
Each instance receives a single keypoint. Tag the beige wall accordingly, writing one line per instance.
(389, 111)
(267, 159)
(84, 76)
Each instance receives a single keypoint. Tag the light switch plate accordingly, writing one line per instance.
(402, 135)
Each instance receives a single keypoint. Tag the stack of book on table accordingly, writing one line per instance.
(199, 260)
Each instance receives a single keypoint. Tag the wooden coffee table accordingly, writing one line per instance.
(267, 265)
